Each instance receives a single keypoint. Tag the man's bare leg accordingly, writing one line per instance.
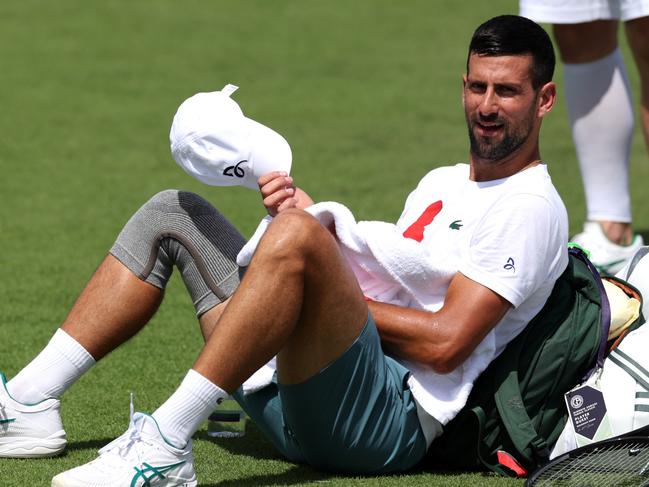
(127, 288)
(113, 307)
(299, 299)
(209, 319)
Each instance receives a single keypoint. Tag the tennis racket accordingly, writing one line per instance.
(616, 462)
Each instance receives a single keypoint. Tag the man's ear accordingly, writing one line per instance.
(464, 80)
(546, 99)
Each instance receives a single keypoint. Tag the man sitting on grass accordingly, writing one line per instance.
(361, 386)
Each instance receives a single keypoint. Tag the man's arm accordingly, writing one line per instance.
(446, 338)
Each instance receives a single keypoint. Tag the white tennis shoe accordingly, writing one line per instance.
(607, 256)
(29, 430)
(141, 457)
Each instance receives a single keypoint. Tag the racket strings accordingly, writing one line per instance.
(622, 464)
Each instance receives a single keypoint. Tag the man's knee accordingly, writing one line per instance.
(166, 197)
(175, 212)
(182, 228)
(296, 233)
(176, 201)
(147, 225)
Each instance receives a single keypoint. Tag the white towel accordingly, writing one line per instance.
(393, 269)
(389, 267)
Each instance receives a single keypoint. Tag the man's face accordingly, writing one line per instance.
(500, 104)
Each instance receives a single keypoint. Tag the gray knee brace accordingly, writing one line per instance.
(181, 228)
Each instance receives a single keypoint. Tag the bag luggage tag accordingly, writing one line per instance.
(587, 411)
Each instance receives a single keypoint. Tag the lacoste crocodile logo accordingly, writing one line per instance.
(456, 225)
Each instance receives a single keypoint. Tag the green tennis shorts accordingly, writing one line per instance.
(357, 415)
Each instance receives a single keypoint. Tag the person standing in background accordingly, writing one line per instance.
(600, 109)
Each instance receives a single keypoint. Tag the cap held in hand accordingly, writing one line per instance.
(214, 142)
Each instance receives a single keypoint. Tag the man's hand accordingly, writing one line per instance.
(279, 193)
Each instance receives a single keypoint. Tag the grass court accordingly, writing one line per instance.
(367, 92)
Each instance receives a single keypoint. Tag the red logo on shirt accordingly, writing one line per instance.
(416, 230)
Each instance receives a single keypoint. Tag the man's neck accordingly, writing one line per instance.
(488, 170)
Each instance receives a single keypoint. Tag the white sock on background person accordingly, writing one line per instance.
(52, 372)
(598, 98)
(187, 408)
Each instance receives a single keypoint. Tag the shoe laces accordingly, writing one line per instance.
(127, 442)
(3, 404)
(3, 409)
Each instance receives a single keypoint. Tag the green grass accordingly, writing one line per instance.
(366, 91)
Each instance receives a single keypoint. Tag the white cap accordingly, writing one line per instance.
(214, 142)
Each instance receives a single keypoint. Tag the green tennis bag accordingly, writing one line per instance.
(516, 410)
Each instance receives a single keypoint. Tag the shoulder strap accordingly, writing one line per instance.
(605, 306)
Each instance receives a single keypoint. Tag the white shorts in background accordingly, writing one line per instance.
(580, 11)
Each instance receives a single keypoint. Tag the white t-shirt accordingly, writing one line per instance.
(509, 235)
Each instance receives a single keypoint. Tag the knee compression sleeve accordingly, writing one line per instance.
(181, 228)
(601, 116)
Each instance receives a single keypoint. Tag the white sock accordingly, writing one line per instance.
(187, 408)
(599, 104)
(52, 372)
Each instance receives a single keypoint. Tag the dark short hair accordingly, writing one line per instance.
(511, 35)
